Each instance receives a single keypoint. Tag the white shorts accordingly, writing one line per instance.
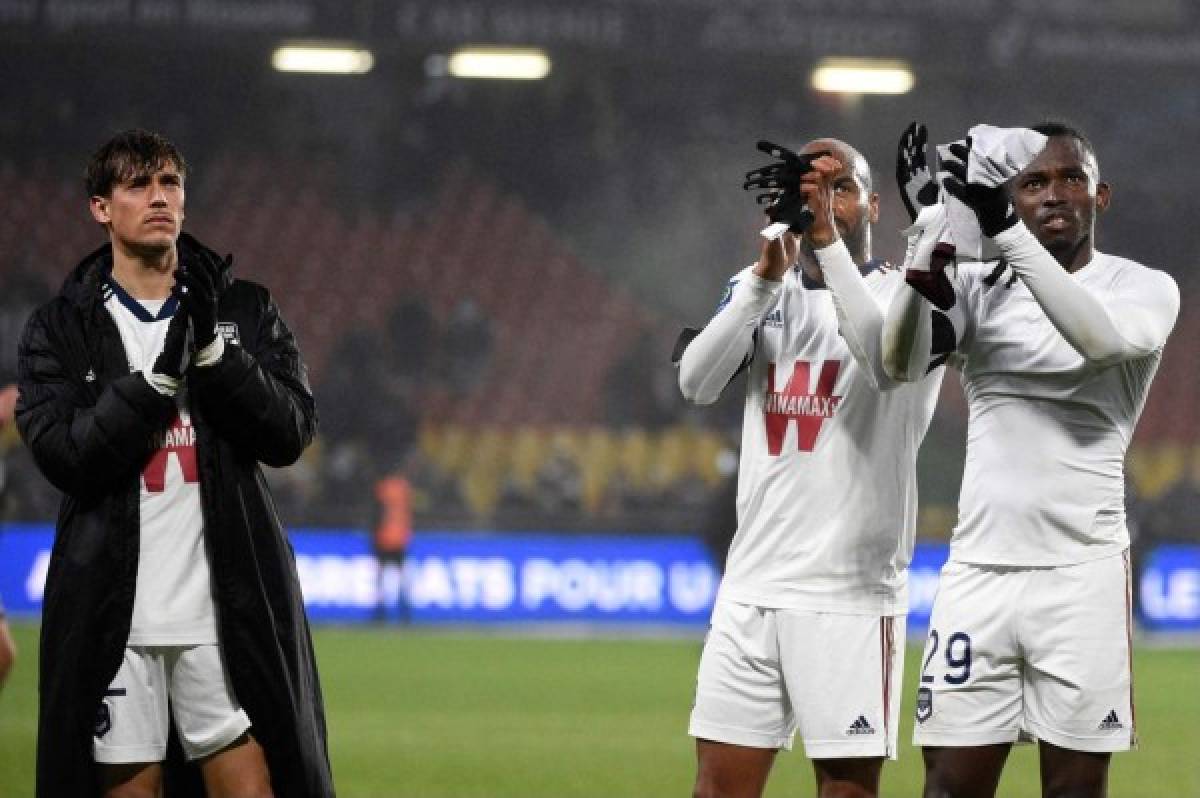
(1015, 653)
(131, 721)
(836, 678)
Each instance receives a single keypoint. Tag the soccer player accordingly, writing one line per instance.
(151, 388)
(1057, 344)
(808, 626)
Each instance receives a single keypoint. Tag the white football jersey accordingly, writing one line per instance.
(827, 490)
(1044, 477)
(173, 602)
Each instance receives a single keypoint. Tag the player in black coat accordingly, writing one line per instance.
(90, 424)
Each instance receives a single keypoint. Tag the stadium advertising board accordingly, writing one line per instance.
(1169, 589)
(452, 578)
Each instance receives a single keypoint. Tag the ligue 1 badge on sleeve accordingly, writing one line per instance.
(727, 296)
(924, 704)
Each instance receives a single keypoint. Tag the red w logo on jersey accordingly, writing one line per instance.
(797, 403)
(180, 439)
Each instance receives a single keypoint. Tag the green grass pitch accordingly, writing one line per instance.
(437, 714)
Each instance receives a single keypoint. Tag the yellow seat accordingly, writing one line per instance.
(598, 460)
(707, 447)
(529, 448)
(634, 453)
(669, 460)
(486, 462)
(448, 446)
(1154, 469)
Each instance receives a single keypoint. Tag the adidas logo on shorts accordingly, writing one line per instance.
(1111, 721)
(860, 726)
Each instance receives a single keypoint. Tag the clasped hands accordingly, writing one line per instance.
(198, 283)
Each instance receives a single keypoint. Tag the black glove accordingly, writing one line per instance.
(992, 207)
(782, 178)
(917, 186)
(171, 362)
(202, 276)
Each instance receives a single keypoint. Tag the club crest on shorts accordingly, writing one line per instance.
(103, 719)
(229, 331)
(924, 704)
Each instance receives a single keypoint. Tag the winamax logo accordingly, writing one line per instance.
(800, 403)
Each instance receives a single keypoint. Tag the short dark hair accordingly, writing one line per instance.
(1052, 128)
(129, 154)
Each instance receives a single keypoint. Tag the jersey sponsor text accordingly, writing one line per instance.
(179, 438)
(797, 403)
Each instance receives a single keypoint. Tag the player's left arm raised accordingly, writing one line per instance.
(1130, 322)
(255, 395)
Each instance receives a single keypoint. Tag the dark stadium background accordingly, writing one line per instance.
(486, 277)
(584, 217)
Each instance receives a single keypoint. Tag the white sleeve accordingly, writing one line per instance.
(164, 384)
(714, 356)
(907, 335)
(1133, 323)
(907, 339)
(860, 317)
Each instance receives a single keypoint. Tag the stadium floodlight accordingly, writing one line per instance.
(323, 59)
(862, 76)
(499, 63)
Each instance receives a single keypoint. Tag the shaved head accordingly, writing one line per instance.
(847, 155)
(855, 205)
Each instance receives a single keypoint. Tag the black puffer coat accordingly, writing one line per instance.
(90, 425)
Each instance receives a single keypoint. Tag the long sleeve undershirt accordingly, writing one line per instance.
(1101, 334)
(907, 335)
(860, 316)
(1133, 324)
(715, 355)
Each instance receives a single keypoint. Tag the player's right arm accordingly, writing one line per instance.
(726, 343)
(84, 441)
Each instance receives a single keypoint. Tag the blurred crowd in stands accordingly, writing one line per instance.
(487, 281)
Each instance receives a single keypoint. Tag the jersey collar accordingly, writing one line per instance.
(874, 264)
(112, 288)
